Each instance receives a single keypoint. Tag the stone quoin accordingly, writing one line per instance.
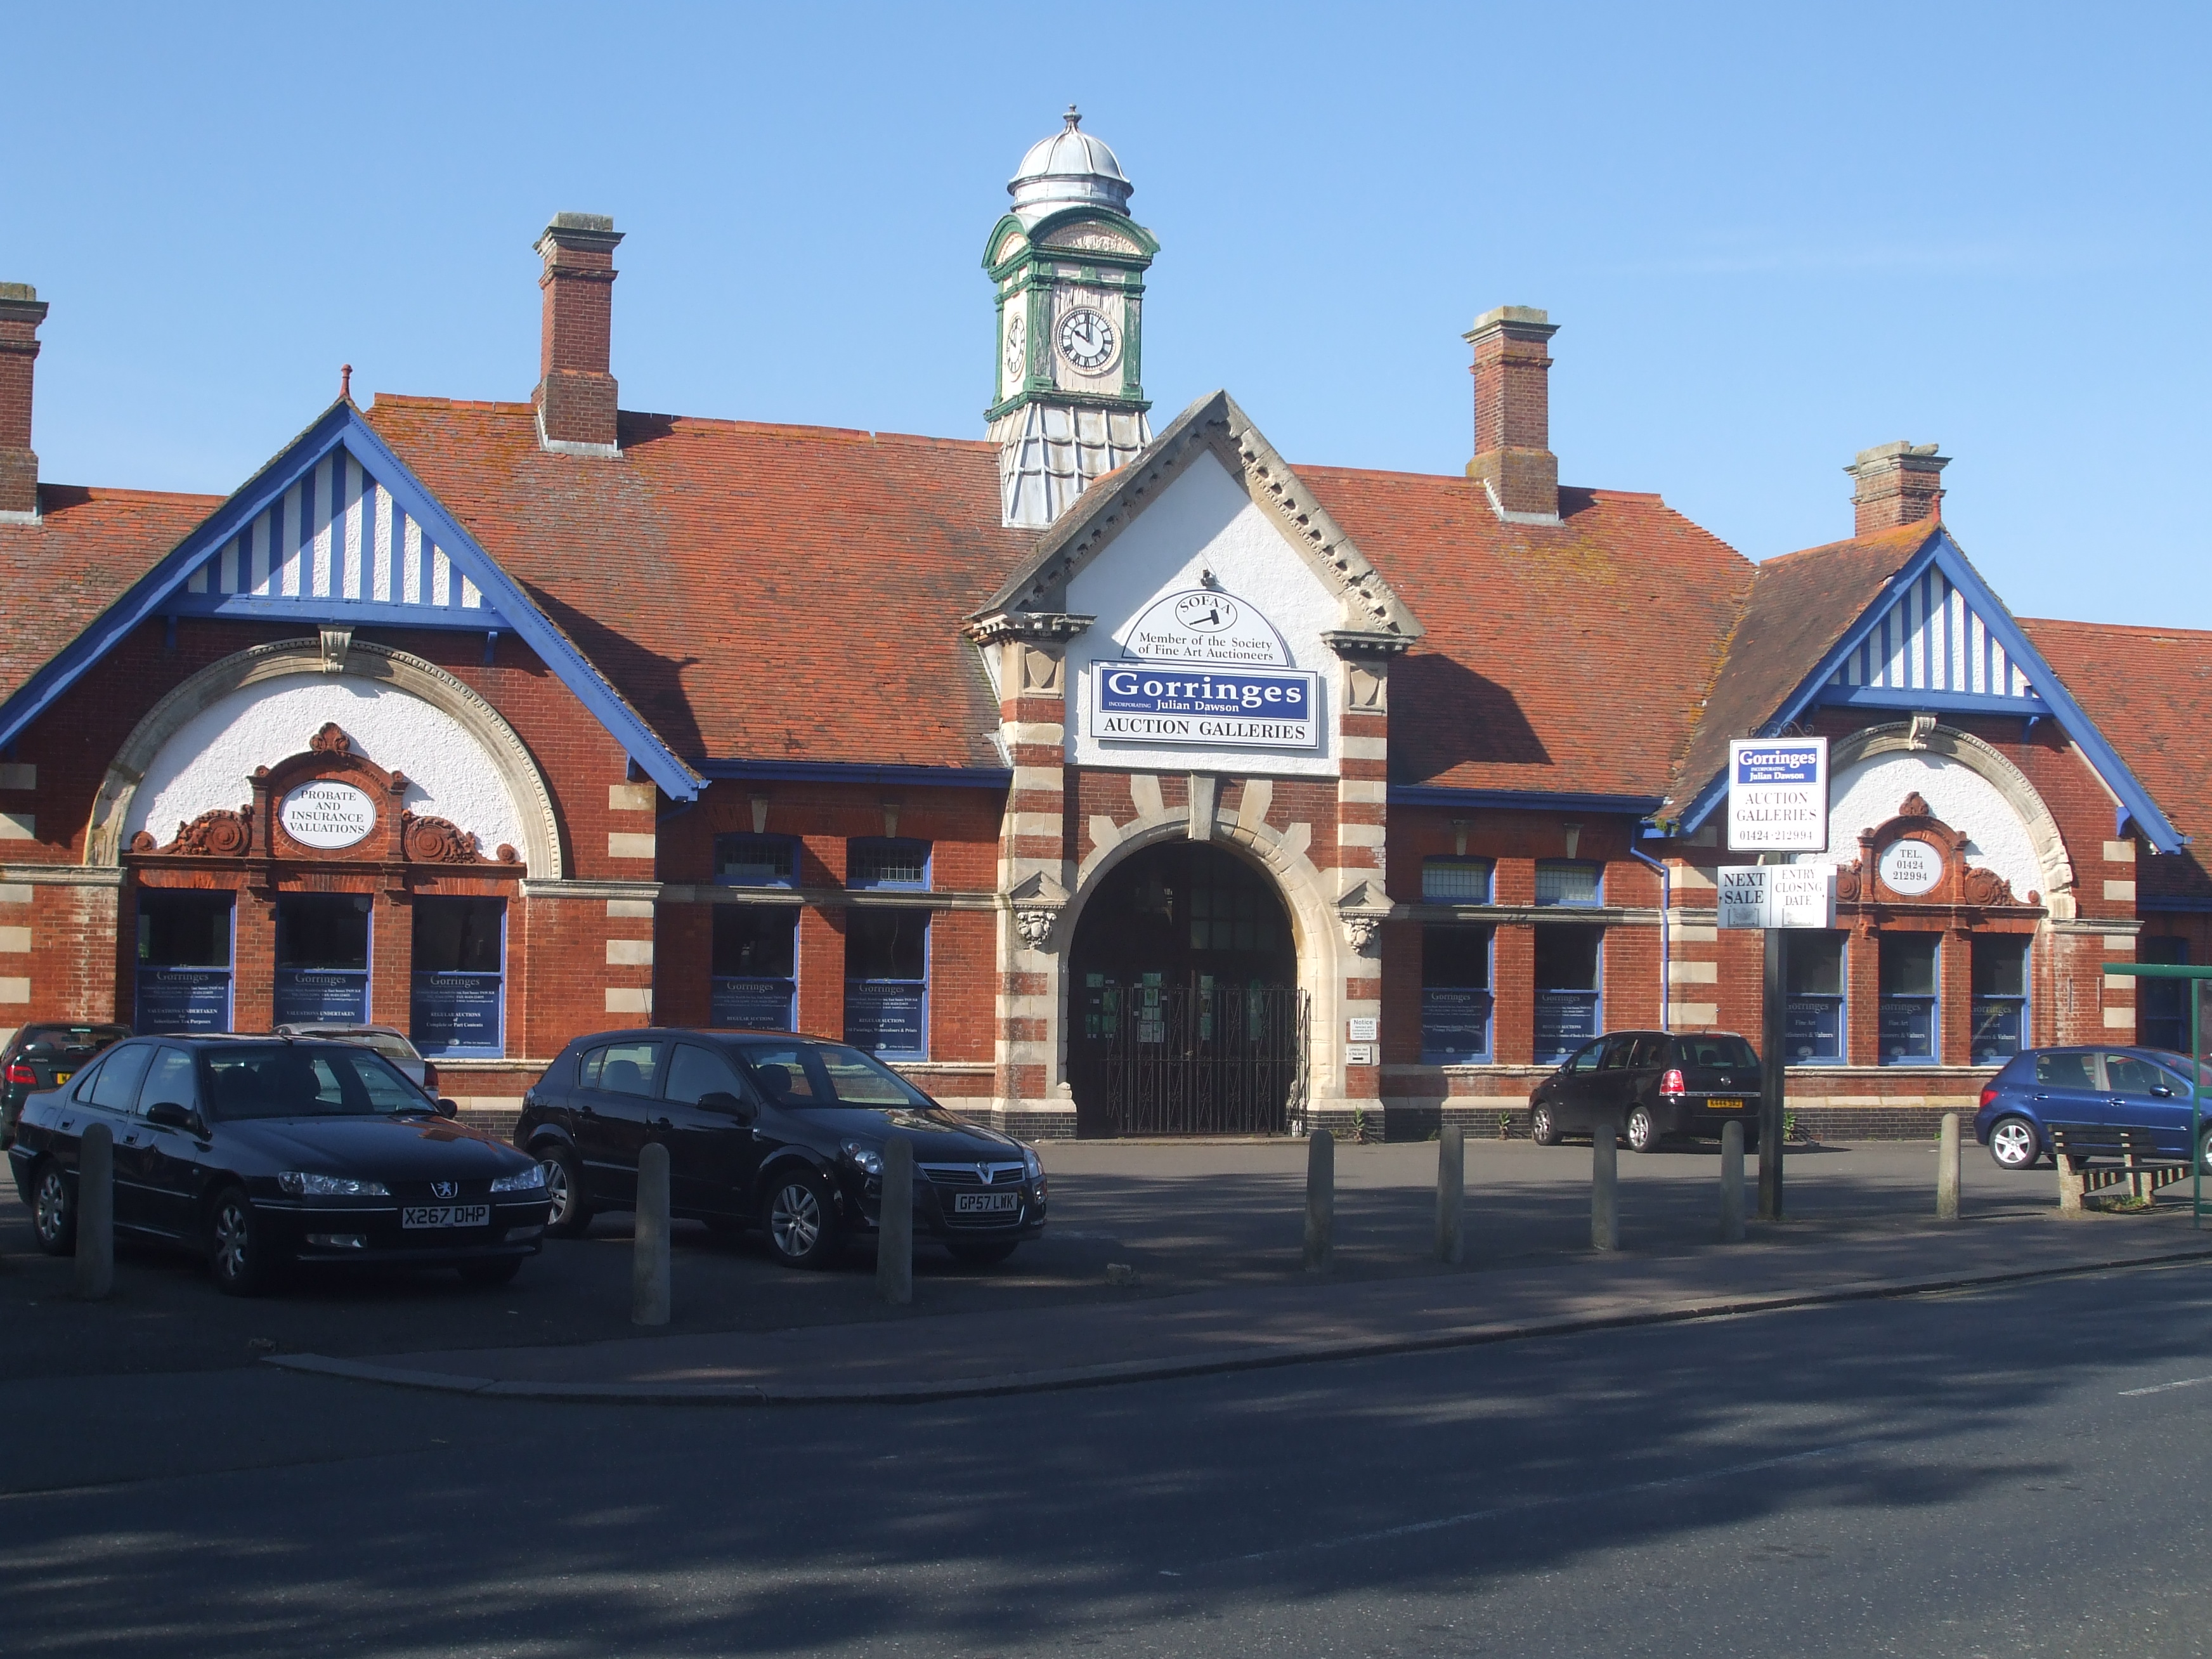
(1103, 778)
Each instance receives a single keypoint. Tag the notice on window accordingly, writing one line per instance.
(884, 1019)
(321, 996)
(455, 1011)
(752, 1005)
(183, 999)
(1778, 798)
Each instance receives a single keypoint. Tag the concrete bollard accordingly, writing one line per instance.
(1605, 1185)
(895, 1224)
(1946, 1169)
(1732, 1183)
(2069, 1186)
(1451, 1195)
(1321, 1200)
(648, 1261)
(95, 1213)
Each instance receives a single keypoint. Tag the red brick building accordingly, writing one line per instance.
(1101, 780)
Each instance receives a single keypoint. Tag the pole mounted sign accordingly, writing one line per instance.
(1777, 895)
(1777, 798)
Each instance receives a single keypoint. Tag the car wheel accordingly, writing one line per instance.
(981, 1253)
(1643, 1130)
(239, 1255)
(499, 1270)
(54, 1210)
(2204, 1153)
(2014, 1145)
(796, 1216)
(571, 1211)
(1543, 1128)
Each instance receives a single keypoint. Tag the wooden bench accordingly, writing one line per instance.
(2118, 1154)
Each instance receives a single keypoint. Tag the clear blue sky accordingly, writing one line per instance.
(1772, 236)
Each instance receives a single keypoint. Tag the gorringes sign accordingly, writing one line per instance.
(327, 814)
(1777, 798)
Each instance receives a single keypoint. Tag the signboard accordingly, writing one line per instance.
(1205, 625)
(1169, 703)
(884, 1019)
(327, 814)
(1911, 867)
(1777, 895)
(1359, 1030)
(183, 999)
(1777, 798)
(457, 1012)
(1359, 1054)
(308, 996)
(758, 1005)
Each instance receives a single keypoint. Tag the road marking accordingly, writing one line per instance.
(2161, 1388)
(1473, 1517)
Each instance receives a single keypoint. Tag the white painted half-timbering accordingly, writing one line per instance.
(210, 761)
(1201, 522)
(1868, 791)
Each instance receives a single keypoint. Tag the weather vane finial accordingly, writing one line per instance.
(1074, 118)
(345, 381)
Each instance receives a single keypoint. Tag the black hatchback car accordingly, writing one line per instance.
(767, 1129)
(45, 1057)
(262, 1152)
(1654, 1084)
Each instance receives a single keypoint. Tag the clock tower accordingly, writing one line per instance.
(1069, 264)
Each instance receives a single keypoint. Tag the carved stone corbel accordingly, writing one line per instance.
(1362, 912)
(1037, 903)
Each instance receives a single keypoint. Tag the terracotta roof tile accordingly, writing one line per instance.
(90, 545)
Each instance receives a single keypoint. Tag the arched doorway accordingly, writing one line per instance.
(1185, 1015)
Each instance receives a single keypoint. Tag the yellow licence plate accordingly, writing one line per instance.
(1725, 1105)
(61, 1078)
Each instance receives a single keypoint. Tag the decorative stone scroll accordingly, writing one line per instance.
(221, 833)
(430, 840)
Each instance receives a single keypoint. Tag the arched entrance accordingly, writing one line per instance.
(1185, 1015)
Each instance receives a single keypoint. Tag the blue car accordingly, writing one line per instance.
(2120, 1088)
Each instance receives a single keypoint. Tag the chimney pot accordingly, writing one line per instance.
(22, 311)
(575, 395)
(1513, 460)
(1896, 484)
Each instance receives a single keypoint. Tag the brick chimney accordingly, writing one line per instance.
(1513, 457)
(575, 394)
(21, 312)
(1896, 484)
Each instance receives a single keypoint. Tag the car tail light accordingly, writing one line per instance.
(1988, 1093)
(20, 1073)
(1672, 1084)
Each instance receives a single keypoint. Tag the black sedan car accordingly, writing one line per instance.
(262, 1152)
(770, 1130)
(1654, 1084)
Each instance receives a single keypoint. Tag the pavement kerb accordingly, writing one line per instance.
(1191, 1365)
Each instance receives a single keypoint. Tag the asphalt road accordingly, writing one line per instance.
(1188, 1217)
(2016, 1471)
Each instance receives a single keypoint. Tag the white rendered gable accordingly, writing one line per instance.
(1202, 525)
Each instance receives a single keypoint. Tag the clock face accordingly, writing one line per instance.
(1087, 339)
(1017, 342)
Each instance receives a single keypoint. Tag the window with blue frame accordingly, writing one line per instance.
(1567, 881)
(1455, 995)
(1814, 977)
(1569, 965)
(1456, 881)
(322, 958)
(887, 981)
(2000, 1013)
(877, 862)
(184, 961)
(2162, 1004)
(459, 991)
(755, 967)
(756, 860)
(1909, 979)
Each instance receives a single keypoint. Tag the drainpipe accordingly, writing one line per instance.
(1666, 1021)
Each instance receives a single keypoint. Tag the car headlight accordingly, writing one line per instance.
(1030, 1167)
(306, 1183)
(868, 1160)
(532, 1180)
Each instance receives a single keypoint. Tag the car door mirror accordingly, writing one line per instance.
(167, 1115)
(2161, 1091)
(722, 1100)
(446, 1108)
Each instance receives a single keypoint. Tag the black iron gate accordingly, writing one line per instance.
(1197, 1060)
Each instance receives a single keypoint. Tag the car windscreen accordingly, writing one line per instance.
(283, 1079)
(804, 1074)
(2179, 1064)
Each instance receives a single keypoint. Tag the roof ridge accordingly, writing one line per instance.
(2204, 633)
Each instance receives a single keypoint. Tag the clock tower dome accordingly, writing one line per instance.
(1069, 264)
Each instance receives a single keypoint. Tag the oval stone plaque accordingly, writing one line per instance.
(1911, 867)
(327, 814)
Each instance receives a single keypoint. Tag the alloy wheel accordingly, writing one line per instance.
(2012, 1143)
(557, 1190)
(51, 1213)
(233, 1239)
(795, 1220)
(1643, 1132)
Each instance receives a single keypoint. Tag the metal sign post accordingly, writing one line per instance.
(1777, 804)
(2199, 979)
